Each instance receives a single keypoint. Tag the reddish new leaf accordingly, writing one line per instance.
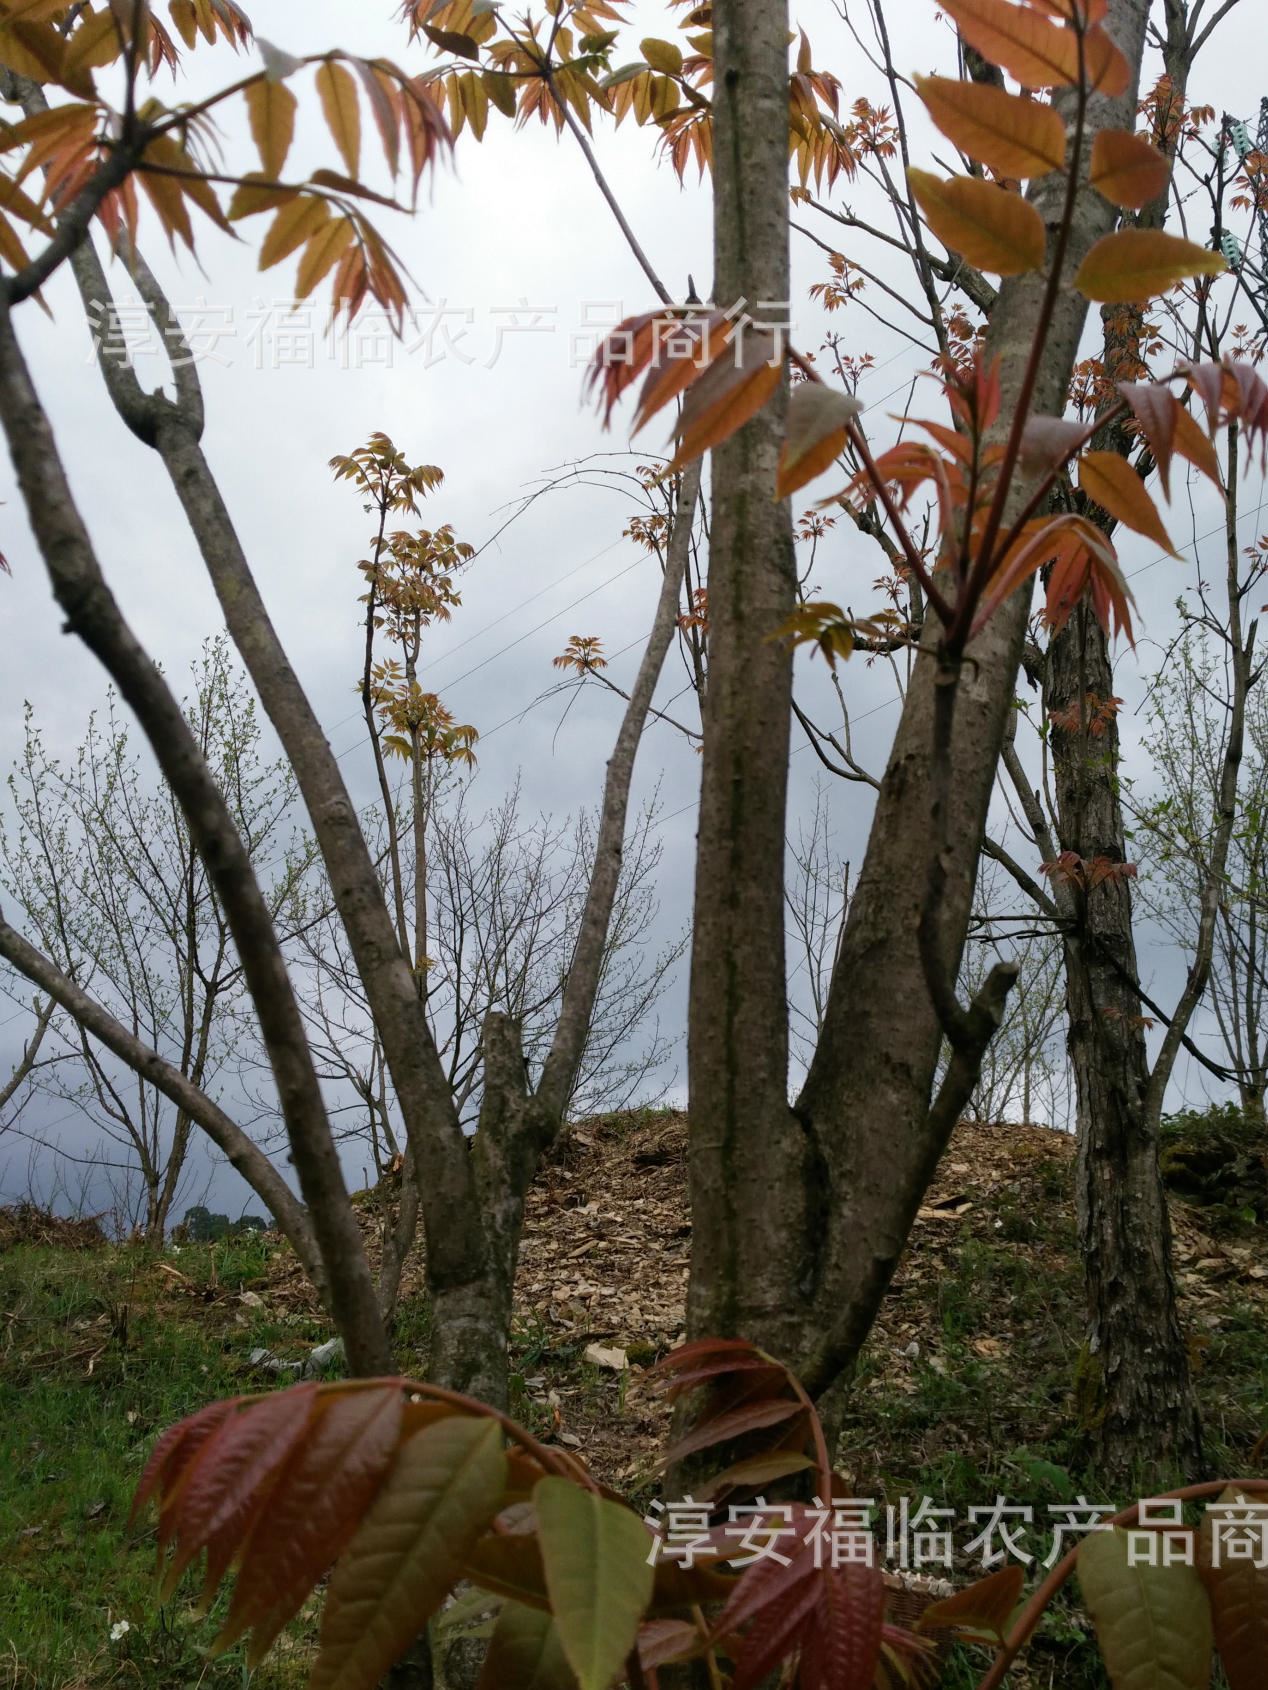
(722, 1428)
(663, 1641)
(239, 1461)
(648, 341)
(1192, 442)
(682, 359)
(175, 1450)
(1156, 410)
(843, 1645)
(703, 1351)
(1250, 404)
(316, 1506)
(1208, 381)
(986, 1605)
(1085, 561)
(774, 1633)
(814, 433)
(730, 393)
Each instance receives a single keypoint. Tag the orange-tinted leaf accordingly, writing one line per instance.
(186, 176)
(1156, 410)
(1040, 54)
(295, 224)
(343, 112)
(16, 257)
(440, 1495)
(1135, 265)
(271, 107)
(985, 1606)
(1192, 442)
(1009, 133)
(165, 195)
(1107, 69)
(1127, 169)
(1112, 483)
(672, 348)
(1077, 11)
(681, 360)
(242, 1456)
(314, 1510)
(1248, 401)
(814, 433)
(730, 392)
(255, 194)
(94, 44)
(322, 253)
(992, 228)
(13, 199)
(1209, 381)
(1085, 561)
(1040, 543)
(1238, 1589)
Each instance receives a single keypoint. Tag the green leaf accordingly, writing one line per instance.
(598, 1574)
(1153, 1623)
(525, 1651)
(662, 55)
(443, 1491)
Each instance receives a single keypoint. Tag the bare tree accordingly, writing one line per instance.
(101, 864)
(1179, 825)
(505, 902)
(16, 1089)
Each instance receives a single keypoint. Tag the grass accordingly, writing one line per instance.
(102, 1350)
(965, 1392)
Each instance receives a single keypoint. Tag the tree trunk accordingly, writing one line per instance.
(1135, 1391)
(1136, 1397)
(800, 1213)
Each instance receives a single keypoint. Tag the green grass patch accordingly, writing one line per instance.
(102, 1350)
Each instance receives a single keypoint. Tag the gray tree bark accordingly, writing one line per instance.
(801, 1212)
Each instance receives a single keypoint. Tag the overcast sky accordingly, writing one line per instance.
(516, 262)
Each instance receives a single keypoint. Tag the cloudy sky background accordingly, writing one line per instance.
(514, 232)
